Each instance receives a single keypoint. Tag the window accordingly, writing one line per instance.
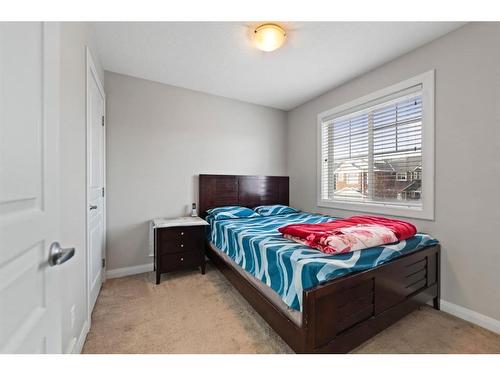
(401, 176)
(376, 154)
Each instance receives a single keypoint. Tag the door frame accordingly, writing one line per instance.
(91, 73)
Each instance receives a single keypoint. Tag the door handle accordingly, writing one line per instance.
(93, 207)
(58, 255)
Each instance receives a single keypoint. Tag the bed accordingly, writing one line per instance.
(331, 304)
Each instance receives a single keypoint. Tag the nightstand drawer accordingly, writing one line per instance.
(180, 243)
(188, 244)
(171, 262)
(176, 233)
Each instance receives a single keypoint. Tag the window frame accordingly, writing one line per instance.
(426, 209)
(400, 178)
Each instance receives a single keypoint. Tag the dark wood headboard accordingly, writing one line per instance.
(247, 191)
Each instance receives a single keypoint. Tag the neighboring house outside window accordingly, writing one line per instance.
(376, 154)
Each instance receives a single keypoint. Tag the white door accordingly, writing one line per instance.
(29, 182)
(96, 182)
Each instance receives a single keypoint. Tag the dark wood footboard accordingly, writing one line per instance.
(340, 315)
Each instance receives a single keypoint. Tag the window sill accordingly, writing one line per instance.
(384, 209)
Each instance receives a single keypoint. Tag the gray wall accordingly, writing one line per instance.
(159, 138)
(74, 38)
(467, 64)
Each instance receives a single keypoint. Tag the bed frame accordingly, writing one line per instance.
(343, 313)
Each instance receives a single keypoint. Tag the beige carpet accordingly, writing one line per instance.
(191, 313)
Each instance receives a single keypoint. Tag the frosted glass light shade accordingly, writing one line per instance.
(269, 37)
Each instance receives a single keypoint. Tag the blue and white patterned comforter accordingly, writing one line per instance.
(288, 267)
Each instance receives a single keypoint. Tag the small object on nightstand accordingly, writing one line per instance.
(193, 210)
(178, 243)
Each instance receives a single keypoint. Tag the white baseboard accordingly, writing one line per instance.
(471, 316)
(127, 271)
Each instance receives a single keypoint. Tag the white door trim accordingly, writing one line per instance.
(91, 73)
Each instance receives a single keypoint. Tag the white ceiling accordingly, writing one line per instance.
(219, 57)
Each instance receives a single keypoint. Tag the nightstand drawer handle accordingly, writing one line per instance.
(182, 245)
(182, 233)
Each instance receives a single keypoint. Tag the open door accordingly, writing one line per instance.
(29, 188)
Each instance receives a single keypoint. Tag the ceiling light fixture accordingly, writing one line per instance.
(269, 37)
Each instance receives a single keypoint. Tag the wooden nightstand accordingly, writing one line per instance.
(178, 243)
